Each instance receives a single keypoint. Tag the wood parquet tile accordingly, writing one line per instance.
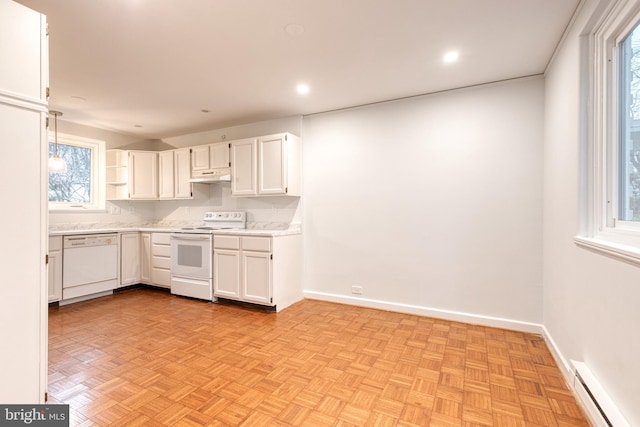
(146, 358)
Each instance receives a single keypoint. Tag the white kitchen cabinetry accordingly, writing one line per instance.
(161, 259)
(174, 172)
(244, 167)
(207, 159)
(23, 115)
(129, 258)
(268, 165)
(259, 270)
(117, 170)
(55, 268)
(143, 175)
(145, 258)
(182, 174)
(166, 181)
(132, 174)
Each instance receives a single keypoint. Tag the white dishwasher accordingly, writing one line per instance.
(89, 265)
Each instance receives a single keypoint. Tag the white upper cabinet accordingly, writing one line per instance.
(207, 158)
(166, 181)
(183, 189)
(24, 51)
(244, 167)
(268, 165)
(143, 175)
(219, 155)
(200, 158)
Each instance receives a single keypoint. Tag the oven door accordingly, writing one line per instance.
(191, 256)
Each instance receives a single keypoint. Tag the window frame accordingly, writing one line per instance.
(601, 230)
(98, 174)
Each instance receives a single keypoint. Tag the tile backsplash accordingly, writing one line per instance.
(274, 213)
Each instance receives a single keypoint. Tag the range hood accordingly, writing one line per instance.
(212, 176)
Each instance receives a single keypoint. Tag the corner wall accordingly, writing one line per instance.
(590, 301)
(431, 204)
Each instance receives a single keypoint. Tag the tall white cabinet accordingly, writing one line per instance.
(24, 293)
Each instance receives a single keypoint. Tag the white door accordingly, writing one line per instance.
(226, 273)
(219, 155)
(129, 258)
(143, 175)
(200, 158)
(23, 334)
(272, 165)
(145, 258)
(244, 173)
(166, 184)
(256, 277)
(183, 188)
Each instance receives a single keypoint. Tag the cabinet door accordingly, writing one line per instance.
(183, 188)
(143, 178)
(226, 274)
(129, 259)
(166, 167)
(200, 158)
(272, 165)
(219, 155)
(256, 277)
(55, 269)
(244, 167)
(145, 258)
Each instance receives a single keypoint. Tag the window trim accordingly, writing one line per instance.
(98, 175)
(600, 230)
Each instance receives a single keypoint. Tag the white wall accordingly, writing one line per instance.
(590, 301)
(433, 202)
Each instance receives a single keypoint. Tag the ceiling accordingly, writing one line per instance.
(149, 67)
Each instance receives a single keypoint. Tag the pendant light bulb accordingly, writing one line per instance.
(56, 164)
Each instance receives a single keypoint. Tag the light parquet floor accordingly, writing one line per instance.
(145, 357)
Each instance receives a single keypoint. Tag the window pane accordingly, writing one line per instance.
(629, 148)
(74, 186)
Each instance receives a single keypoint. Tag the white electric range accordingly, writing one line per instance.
(192, 254)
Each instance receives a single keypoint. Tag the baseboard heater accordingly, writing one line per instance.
(599, 407)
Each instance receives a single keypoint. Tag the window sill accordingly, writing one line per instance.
(617, 250)
(77, 210)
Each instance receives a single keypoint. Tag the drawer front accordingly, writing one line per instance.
(226, 242)
(161, 250)
(161, 262)
(161, 238)
(260, 244)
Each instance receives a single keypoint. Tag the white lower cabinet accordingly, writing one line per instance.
(145, 258)
(55, 268)
(259, 270)
(161, 259)
(129, 258)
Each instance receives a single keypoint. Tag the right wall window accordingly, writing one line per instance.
(628, 161)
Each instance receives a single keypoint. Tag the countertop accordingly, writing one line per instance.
(241, 232)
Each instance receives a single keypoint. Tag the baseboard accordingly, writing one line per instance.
(585, 400)
(456, 316)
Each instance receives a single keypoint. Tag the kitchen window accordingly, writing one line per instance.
(612, 118)
(80, 188)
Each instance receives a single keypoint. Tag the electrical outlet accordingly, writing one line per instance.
(356, 290)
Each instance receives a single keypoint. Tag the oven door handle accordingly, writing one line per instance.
(191, 237)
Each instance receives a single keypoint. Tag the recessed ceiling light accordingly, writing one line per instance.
(137, 126)
(302, 89)
(451, 56)
(78, 98)
(204, 110)
(294, 29)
